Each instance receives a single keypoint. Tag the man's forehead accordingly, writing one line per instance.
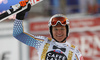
(58, 26)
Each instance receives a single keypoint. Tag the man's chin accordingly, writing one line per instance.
(60, 41)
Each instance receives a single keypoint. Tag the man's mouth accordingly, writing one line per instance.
(59, 35)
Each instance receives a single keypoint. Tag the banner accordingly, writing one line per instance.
(76, 25)
(87, 42)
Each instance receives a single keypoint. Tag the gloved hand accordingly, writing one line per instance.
(20, 15)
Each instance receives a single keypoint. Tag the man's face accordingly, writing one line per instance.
(59, 32)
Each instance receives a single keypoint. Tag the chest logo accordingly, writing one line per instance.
(55, 55)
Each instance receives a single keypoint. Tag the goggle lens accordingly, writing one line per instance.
(56, 19)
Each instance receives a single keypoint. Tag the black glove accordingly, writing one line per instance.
(20, 15)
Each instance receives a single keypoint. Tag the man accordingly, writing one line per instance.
(48, 49)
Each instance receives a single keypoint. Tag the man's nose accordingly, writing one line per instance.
(59, 31)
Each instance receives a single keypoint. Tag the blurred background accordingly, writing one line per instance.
(84, 17)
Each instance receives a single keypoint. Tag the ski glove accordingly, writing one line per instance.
(20, 15)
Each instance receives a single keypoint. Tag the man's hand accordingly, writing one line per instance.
(20, 16)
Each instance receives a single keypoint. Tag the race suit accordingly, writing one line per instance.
(48, 49)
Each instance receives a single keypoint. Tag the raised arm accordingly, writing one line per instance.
(18, 33)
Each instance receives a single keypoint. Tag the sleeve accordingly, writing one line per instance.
(78, 55)
(30, 40)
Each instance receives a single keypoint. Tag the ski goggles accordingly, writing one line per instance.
(61, 20)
